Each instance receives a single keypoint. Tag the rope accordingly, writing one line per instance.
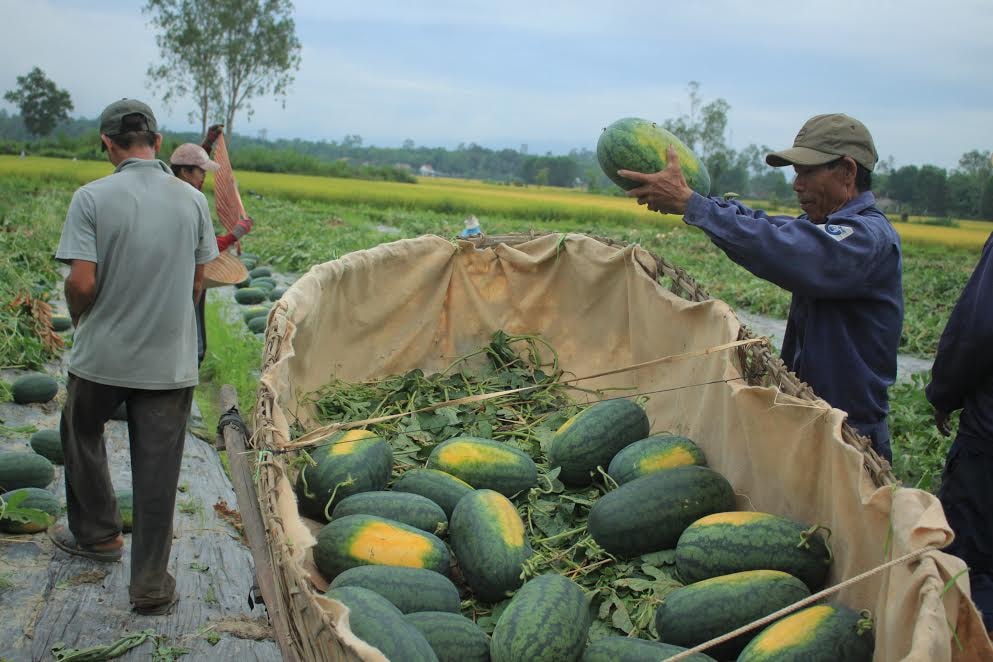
(314, 436)
(799, 605)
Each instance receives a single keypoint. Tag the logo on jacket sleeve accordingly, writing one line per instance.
(838, 232)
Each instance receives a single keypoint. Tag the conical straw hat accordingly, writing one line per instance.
(225, 269)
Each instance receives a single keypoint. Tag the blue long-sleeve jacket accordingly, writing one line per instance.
(845, 275)
(962, 375)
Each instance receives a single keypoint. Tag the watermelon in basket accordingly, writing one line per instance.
(577, 321)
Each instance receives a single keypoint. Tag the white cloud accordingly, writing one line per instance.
(552, 73)
(98, 55)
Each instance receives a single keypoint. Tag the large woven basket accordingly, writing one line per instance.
(313, 635)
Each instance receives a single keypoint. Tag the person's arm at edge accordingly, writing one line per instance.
(213, 133)
(225, 241)
(750, 237)
(963, 359)
(80, 288)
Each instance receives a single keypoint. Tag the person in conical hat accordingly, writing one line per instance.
(191, 163)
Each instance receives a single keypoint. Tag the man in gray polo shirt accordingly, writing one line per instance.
(136, 242)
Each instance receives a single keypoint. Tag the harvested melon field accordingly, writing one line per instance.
(555, 448)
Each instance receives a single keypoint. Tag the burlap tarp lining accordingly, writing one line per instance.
(423, 302)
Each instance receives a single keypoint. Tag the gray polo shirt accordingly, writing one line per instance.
(146, 230)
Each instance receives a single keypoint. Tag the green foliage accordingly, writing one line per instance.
(268, 159)
(524, 420)
(919, 450)
(42, 104)
(31, 217)
(233, 356)
(224, 52)
(12, 511)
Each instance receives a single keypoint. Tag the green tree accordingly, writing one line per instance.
(253, 51)
(42, 104)
(189, 57)
(931, 194)
(976, 164)
(703, 130)
(986, 201)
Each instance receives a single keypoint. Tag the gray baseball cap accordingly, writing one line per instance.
(826, 138)
(112, 116)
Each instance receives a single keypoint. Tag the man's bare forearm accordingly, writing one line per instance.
(78, 302)
(197, 283)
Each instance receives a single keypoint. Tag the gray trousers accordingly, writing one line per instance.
(157, 431)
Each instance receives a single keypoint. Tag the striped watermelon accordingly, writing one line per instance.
(649, 514)
(822, 633)
(485, 464)
(656, 453)
(694, 614)
(349, 462)
(628, 649)
(368, 540)
(443, 488)
(641, 145)
(592, 437)
(547, 621)
(413, 509)
(409, 589)
(729, 542)
(490, 544)
(453, 637)
(375, 621)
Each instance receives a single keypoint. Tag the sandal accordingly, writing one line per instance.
(108, 552)
(158, 608)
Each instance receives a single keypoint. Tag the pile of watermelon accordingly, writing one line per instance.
(445, 559)
(257, 293)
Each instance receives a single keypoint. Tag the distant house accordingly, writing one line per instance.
(426, 170)
(403, 166)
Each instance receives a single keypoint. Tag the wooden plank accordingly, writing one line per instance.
(254, 527)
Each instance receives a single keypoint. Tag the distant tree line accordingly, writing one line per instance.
(966, 191)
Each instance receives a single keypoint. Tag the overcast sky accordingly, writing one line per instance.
(551, 73)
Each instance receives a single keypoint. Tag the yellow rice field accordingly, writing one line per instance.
(465, 196)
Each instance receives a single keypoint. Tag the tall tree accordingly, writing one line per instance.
(236, 51)
(42, 104)
(189, 58)
(976, 164)
(703, 130)
(986, 200)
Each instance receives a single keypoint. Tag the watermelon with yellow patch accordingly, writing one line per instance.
(357, 540)
(656, 453)
(485, 464)
(489, 541)
(349, 462)
(641, 145)
(699, 612)
(822, 633)
(726, 542)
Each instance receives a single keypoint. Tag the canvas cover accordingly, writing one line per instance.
(421, 303)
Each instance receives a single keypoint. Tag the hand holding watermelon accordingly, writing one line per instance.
(664, 191)
(634, 152)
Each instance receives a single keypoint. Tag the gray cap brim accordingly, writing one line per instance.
(802, 156)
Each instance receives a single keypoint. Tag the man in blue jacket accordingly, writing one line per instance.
(840, 259)
(962, 378)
